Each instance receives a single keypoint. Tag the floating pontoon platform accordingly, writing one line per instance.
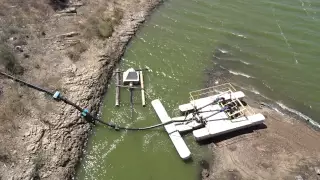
(171, 129)
(211, 112)
(217, 120)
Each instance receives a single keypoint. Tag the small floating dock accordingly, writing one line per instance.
(171, 129)
(211, 112)
(215, 111)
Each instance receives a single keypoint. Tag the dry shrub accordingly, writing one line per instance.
(38, 162)
(25, 12)
(75, 53)
(105, 28)
(9, 60)
(117, 15)
(11, 106)
(102, 23)
(5, 156)
(59, 4)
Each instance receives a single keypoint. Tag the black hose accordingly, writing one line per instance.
(26, 84)
(213, 102)
(87, 115)
(138, 129)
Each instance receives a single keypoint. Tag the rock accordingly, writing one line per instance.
(140, 20)
(317, 169)
(298, 177)
(45, 141)
(46, 174)
(27, 160)
(205, 173)
(130, 32)
(12, 38)
(204, 164)
(19, 48)
(27, 133)
(55, 159)
(124, 39)
(38, 136)
(31, 147)
(26, 55)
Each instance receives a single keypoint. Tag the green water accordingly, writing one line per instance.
(270, 47)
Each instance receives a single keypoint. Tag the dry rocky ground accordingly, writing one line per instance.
(66, 45)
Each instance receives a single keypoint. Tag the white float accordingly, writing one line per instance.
(171, 129)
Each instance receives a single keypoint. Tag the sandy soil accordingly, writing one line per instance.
(66, 45)
(282, 148)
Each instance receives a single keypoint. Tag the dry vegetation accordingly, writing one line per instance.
(76, 50)
(10, 108)
(102, 23)
(9, 61)
(21, 24)
(59, 4)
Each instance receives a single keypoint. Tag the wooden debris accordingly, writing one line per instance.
(69, 34)
(76, 4)
(64, 14)
(68, 10)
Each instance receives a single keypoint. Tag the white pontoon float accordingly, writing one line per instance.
(211, 112)
(171, 129)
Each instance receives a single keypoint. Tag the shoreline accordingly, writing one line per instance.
(224, 75)
(283, 148)
(131, 24)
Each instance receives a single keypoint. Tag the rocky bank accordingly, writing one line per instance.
(57, 45)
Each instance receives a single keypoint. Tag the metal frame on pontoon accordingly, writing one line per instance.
(221, 90)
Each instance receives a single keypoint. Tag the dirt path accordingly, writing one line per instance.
(283, 148)
(66, 45)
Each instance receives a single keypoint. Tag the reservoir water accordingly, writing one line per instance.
(268, 47)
